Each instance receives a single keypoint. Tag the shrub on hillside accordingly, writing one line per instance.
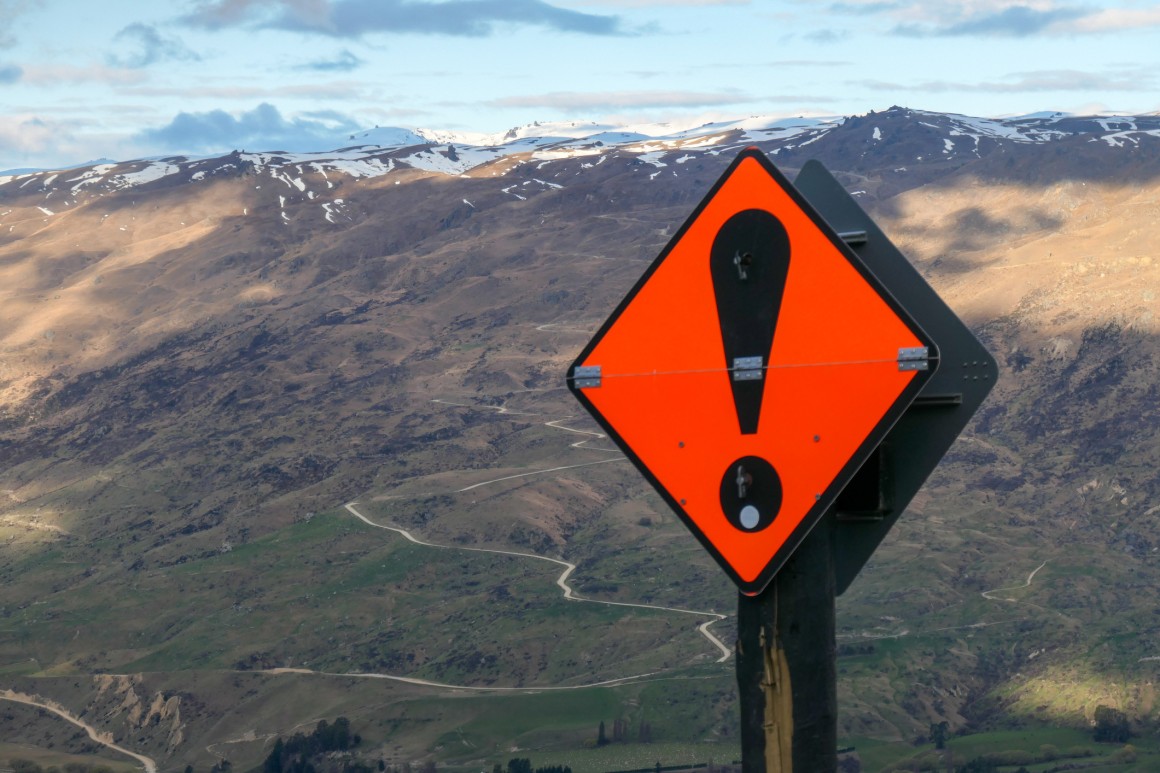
(1112, 725)
(1011, 757)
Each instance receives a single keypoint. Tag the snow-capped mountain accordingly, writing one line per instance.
(908, 139)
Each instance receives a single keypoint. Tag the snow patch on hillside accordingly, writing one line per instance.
(556, 154)
(151, 172)
(389, 137)
(357, 167)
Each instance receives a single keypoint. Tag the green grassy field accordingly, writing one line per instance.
(336, 595)
(685, 714)
(1041, 748)
(333, 594)
(918, 640)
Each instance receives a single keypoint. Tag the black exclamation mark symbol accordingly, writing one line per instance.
(749, 263)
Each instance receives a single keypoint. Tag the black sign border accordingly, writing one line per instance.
(864, 450)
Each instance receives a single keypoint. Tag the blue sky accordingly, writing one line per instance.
(125, 78)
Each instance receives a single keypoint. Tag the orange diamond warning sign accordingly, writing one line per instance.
(753, 369)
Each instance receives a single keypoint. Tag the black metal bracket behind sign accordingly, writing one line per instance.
(928, 428)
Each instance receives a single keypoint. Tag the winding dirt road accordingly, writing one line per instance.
(538, 472)
(150, 766)
(105, 739)
(461, 687)
(562, 582)
(569, 593)
(987, 593)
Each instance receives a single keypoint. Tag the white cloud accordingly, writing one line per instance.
(357, 18)
(9, 11)
(264, 127)
(652, 3)
(10, 73)
(330, 90)
(1115, 20)
(999, 18)
(943, 11)
(583, 101)
(1031, 82)
(224, 13)
(141, 45)
(29, 140)
(344, 61)
(55, 74)
(27, 133)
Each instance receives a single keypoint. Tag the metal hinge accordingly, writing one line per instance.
(747, 368)
(914, 358)
(586, 376)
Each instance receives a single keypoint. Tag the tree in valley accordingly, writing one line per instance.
(644, 732)
(298, 753)
(1112, 725)
(938, 734)
(273, 761)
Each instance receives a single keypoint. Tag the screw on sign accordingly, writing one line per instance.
(753, 369)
